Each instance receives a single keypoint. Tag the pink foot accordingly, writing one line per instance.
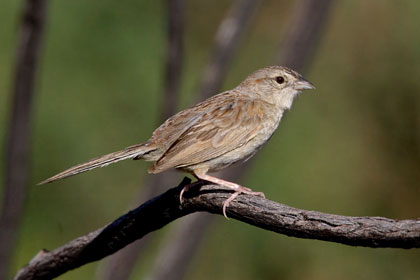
(235, 194)
(237, 188)
(181, 194)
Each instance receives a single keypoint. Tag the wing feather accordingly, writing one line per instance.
(218, 131)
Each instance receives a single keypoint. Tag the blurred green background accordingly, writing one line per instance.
(351, 147)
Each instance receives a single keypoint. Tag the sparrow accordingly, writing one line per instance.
(226, 128)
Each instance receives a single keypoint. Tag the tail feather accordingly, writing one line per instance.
(136, 151)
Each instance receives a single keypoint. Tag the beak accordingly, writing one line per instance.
(302, 84)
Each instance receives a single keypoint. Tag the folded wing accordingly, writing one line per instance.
(220, 130)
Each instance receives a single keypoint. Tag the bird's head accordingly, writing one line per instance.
(276, 84)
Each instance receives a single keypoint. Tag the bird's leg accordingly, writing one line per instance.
(238, 189)
(184, 189)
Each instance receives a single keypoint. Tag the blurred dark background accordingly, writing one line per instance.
(352, 147)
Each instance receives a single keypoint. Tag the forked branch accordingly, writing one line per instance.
(266, 214)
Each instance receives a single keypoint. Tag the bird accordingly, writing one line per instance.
(224, 129)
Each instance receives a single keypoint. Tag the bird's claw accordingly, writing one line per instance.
(235, 194)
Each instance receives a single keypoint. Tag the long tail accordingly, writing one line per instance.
(136, 151)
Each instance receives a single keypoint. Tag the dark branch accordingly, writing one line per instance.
(19, 130)
(154, 214)
(120, 265)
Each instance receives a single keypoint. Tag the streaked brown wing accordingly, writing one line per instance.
(171, 130)
(220, 130)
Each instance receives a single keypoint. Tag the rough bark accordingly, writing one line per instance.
(121, 264)
(372, 232)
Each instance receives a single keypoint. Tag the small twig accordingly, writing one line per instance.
(154, 214)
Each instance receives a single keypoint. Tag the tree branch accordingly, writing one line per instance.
(372, 232)
(121, 264)
(19, 131)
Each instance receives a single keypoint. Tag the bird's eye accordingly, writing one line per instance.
(280, 80)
